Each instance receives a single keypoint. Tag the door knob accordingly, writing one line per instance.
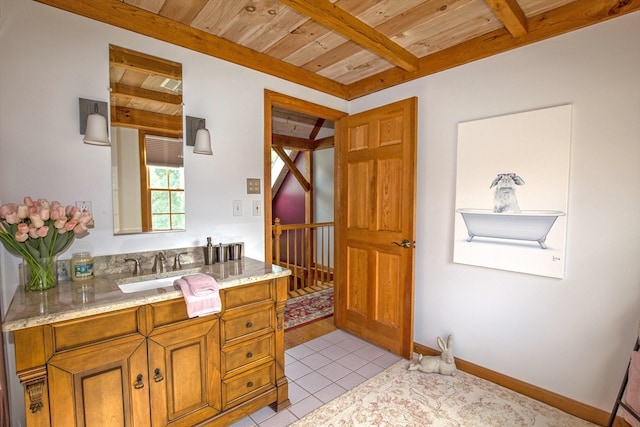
(405, 244)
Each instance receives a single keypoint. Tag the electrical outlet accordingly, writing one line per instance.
(237, 208)
(257, 208)
(84, 205)
(253, 185)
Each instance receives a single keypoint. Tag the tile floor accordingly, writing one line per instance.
(319, 371)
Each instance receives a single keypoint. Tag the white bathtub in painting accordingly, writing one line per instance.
(526, 225)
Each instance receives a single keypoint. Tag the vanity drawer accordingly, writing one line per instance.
(255, 351)
(242, 296)
(168, 312)
(243, 387)
(89, 330)
(248, 323)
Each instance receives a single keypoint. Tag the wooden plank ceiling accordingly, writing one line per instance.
(350, 48)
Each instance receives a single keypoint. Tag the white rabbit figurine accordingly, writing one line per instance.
(443, 364)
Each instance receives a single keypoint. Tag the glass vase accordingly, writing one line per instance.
(40, 274)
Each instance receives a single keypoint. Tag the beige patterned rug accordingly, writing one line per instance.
(398, 397)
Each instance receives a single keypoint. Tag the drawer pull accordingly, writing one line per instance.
(138, 384)
(249, 355)
(249, 325)
(250, 384)
(157, 375)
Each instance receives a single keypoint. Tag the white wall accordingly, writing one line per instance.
(49, 59)
(323, 209)
(125, 180)
(570, 336)
(323, 177)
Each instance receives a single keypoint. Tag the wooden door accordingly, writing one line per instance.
(184, 374)
(101, 385)
(375, 213)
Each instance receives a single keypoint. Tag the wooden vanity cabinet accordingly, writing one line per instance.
(153, 366)
(165, 373)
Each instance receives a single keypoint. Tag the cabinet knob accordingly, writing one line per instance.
(249, 355)
(250, 384)
(157, 375)
(138, 384)
(249, 324)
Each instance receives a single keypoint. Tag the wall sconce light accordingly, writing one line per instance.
(198, 136)
(93, 122)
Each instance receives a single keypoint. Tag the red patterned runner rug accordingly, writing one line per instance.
(305, 309)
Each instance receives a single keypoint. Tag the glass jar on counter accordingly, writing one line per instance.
(81, 266)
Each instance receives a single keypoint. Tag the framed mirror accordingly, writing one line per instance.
(146, 143)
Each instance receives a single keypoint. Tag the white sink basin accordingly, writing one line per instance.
(146, 285)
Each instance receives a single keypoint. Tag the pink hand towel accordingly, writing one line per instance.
(199, 305)
(201, 284)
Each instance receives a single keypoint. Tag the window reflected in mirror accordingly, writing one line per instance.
(164, 209)
(147, 142)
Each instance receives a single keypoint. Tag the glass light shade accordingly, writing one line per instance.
(203, 142)
(96, 133)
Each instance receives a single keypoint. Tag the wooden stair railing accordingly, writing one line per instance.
(307, 250)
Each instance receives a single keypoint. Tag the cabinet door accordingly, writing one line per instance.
(184, 372)
(101, 385)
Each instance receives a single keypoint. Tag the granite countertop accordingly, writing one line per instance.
(72, 300)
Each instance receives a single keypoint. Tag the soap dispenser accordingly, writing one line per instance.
(208, 252)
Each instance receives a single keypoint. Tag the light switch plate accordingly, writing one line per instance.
(237, 208)
(257, 208)
(253, 185)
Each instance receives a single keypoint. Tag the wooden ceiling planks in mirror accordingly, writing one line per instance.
(146, 92)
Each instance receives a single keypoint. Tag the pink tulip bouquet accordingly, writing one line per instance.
(38, 231)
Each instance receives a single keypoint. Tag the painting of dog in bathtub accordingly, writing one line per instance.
(512, 188)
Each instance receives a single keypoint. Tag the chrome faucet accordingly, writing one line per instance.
(136, 267)
(158, 264)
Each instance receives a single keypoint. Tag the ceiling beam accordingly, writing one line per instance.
(336, 19)
(301, 144)
(292, 142)
(292, 167)
(145, 94)
(511, 15)
(123, 15)
(316, 128)
(572, 16)
(147, 120)
(143, 63)
(284, 172)
(322, 143)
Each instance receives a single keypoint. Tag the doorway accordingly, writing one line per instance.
(281, 102)
(374, 214)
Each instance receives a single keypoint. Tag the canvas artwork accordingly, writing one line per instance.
(512, 191)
